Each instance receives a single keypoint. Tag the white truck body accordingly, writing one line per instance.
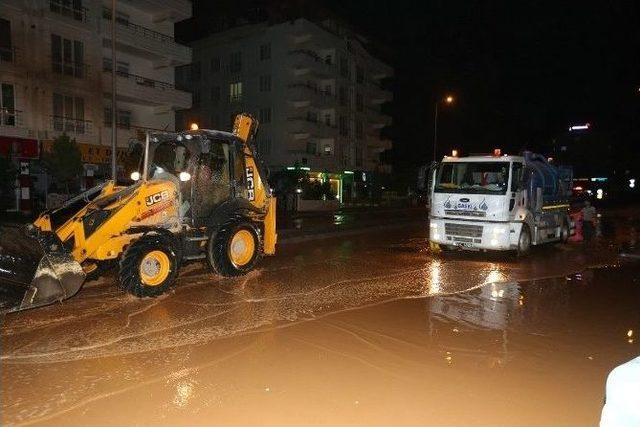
(485, 203)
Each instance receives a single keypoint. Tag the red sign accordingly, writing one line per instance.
(19, 148)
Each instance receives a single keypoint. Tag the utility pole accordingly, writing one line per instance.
(435, 131)
(448, 100)
(114, 110)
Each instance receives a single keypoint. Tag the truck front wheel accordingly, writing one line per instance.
(524, 241)
(564, 232)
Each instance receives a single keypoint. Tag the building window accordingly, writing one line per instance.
(122, 68)
(6, 48)
(67, 56)
(68, 114)
(195, 98)
(312, 148)
(265, 115)
(215, 94)
(344, 126)
(215, 64)
(7, 105)
(312, 116)
(359, 129)
(235, 62)
(359, 74)
(359, 102)
(123, 119)
(359, 157)
(342, 96)
(265, 83)
(215, 121)
(183, 77)
(328, 59)
(327, 149)
(328, 90)
(265, 52)
(235, 92)
(344, 67)
(264, 146)
(196, 71)
(327, 119)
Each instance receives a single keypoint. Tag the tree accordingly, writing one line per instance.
(64, 161)
(7, 182)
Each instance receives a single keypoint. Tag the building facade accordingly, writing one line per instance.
(55, 76)
(314, 88)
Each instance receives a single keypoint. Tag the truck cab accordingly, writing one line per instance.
(497, 203)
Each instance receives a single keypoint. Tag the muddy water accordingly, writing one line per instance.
(308, 340)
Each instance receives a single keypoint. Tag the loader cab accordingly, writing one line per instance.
(207, 167)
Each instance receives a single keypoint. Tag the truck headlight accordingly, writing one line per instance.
(433, 225)
(499, 230)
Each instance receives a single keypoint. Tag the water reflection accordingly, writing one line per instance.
(434, 283)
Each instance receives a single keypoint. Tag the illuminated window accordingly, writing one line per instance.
(235, 92)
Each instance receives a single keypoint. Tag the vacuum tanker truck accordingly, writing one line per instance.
(498, 202)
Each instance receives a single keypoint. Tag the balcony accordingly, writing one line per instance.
(304, 95)
(306, 61)
(70, 125)
(145, 91)
(303, 128)
(376, 119)
(165, 10)
(67, 10)
(157, 47)
(377, 94)
(11, 124)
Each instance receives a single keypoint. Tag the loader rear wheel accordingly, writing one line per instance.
(149, 266)
(234, 249)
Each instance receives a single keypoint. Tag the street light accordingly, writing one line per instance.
(448, 100)
(114, 107)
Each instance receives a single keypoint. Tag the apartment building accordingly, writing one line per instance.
(55, 77)
(314, 87)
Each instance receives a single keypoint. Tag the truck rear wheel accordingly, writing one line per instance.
(524, 241)
(234, 249)
(149, 266)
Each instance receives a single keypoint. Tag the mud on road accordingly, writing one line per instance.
(102, 346)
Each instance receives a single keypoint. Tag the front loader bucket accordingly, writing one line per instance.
(35, 269)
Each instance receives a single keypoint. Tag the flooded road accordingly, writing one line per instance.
(364, 330)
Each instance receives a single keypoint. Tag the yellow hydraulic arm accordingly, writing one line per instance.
(259, 192)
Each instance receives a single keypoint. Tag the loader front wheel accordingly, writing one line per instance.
(149, 266)
(234, 250)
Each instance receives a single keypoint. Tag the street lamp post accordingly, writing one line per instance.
(114, 114)
(448, 100)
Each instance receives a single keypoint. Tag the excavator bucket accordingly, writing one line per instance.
(35, 269)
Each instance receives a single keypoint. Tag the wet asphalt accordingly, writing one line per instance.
(366, 328)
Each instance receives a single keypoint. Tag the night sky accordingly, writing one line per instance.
(521, 71)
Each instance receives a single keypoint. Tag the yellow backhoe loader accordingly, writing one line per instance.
(198, 194)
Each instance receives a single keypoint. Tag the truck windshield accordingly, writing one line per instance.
(472, 177)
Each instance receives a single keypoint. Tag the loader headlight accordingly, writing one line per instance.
(135, 176)
(499, 230)
(184, 176)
